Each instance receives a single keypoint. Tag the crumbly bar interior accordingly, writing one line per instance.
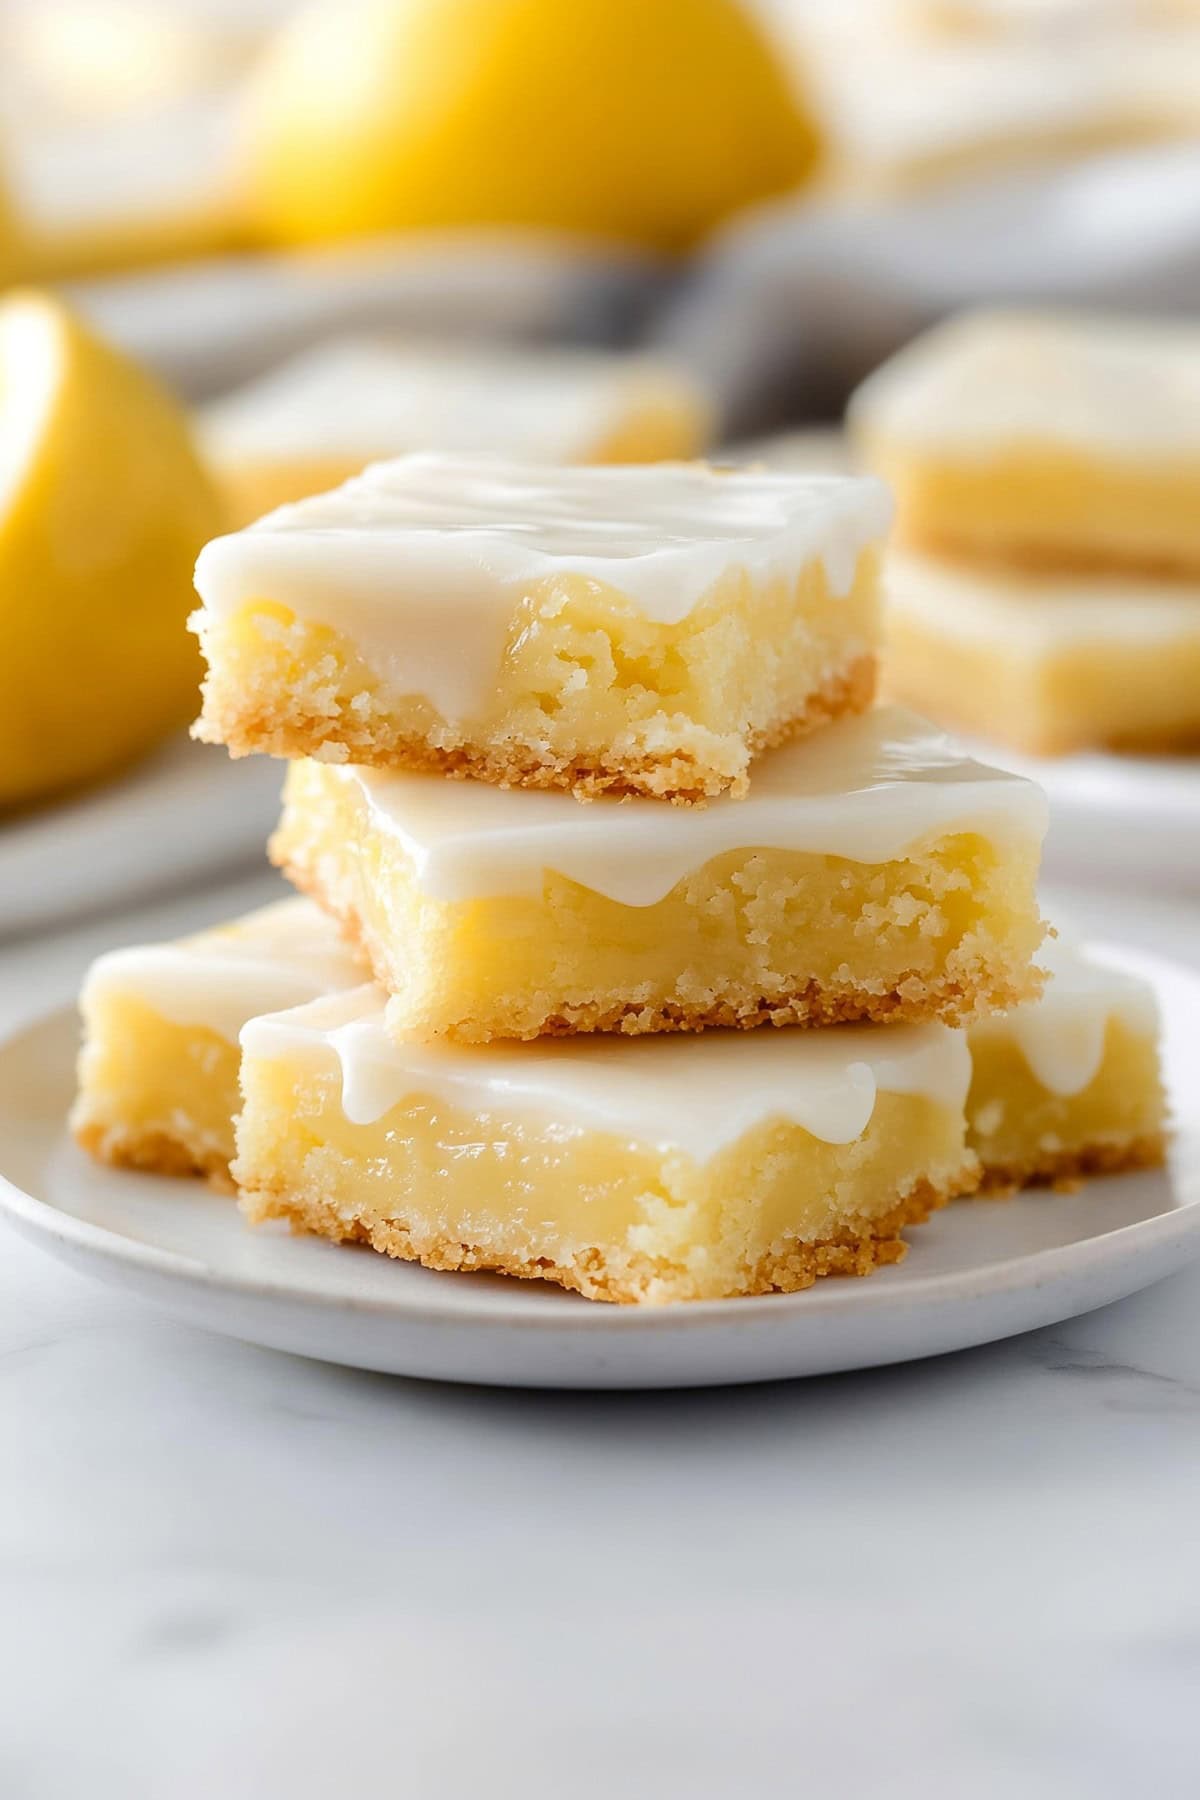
(433, 1184)
(1037, 507)
(155, 1095)
(754, 936)
(1023, 1133)
(591, 695)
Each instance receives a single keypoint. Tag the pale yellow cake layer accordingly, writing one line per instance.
(158, 1068)
(1049, 664)
(1054, 440)
(435, 1184)
(627, 628)
(590, 694)
(153, 1094)
(751, 936)
(1039, 508)
(1023, 1132)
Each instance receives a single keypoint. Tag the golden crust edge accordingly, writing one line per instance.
(640, 1280)
(672, 776)
(1067, 1168)
(151, 1152)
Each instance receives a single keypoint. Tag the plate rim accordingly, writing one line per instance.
(40, 1220)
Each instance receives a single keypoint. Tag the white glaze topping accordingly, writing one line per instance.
(1039, 614)
(695, 1094)
(990, 381)
(1061, 1036)
(370, 398)
(422, 562)
(279, 956)
(870, 789)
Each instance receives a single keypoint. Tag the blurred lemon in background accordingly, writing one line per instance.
(11, 245)
(646, 121)
(103, 507)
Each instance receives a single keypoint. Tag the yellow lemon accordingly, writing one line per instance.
(12, 246)
(103, 507)
(640, 120)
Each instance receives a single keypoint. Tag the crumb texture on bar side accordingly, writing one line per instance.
(874, 872)
(625, 1170)
(634, 630)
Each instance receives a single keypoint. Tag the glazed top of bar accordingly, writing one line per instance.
(433, 533)
(989, 381)
(371, 397)
(695, 1094)
(871, 789)
(1061, 1036)
(279, 956)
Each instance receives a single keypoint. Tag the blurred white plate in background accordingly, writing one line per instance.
(981, 1270)
(187, 813)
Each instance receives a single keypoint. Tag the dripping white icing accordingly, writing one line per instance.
(1061, 1036)
(870, 789)
(280, 956)
(694, 1094)
(421, 562)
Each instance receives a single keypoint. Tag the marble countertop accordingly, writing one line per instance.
(227, 1574)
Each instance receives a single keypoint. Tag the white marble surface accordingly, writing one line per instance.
(231, 1575)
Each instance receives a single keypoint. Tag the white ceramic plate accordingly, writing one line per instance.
(186, 811)
(981, 1270)
(1129, 821)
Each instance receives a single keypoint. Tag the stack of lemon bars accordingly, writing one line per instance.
(639, 953)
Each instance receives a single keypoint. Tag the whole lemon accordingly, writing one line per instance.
(645, 121)
(103, 508)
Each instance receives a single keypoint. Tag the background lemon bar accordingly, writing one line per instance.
(682, 1170)
(1058, 440)
(635, 629)
(324, 415)
(873, 872)
(158, 1072)
(1069, 1084)
(1049, 663)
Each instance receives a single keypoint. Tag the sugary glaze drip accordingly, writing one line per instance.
(1061, 1036)
(280, 956)
(869, 789)
(696, 1095)
(450, 528)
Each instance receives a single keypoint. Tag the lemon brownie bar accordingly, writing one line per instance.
(873, 872)
(641, 630)
(688, 1169)
(324, 415)
(1049, 663)
(1040, 439)
(158, 1072)
(1070, 1084)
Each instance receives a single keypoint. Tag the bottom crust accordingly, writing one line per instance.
(594, 1273)
(154, 1152)
(678, 776)
(1065, 1169)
